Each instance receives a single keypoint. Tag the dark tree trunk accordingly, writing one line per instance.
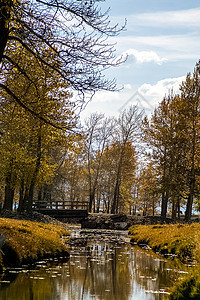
(30, 195)
(92, 196)
(98, 202)
(144, 213)
(4, 25)
(114, 207)
(153, 207)
(178, 208)
(9, 194)
(164, 187)
(108, 207)
(164, 206)
(115, 204)
(188, 212)
(174, 210)
(37, 167)
(21, 197)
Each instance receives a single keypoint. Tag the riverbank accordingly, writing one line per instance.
(179, 241)
(29, 241)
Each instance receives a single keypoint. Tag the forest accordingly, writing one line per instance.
(129, 163)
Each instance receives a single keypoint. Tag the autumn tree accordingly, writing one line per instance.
(127, 130)
(109, 172)
(128, 177)
(163, 137)
(75, 32)
(27, 140)
(148, 194)
(190, 112)
(173, 135)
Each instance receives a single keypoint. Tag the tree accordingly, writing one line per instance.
(27, 141)
(128, 177)
(75, 32)
(74, 172)
(148, 194)
(109, 172)
(127, 130)
(190, 111)
(173, 133)
(98, 133)
(162, 134)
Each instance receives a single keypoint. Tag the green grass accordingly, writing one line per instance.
(181, 240)
(28, 241)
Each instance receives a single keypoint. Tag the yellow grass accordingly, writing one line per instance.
(32, 240)
(180, 239)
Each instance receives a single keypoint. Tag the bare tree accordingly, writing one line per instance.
(128, 130)
(99, 131)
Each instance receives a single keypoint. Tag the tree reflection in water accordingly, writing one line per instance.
(105, 268)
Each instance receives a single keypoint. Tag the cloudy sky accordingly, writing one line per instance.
(162, 40)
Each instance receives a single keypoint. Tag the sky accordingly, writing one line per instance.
(162, 41)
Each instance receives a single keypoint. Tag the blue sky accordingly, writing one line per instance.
(162, 40)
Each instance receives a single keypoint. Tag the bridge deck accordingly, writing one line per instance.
(62, 209)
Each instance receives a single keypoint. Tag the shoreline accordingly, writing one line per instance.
(27, 242)
(180, 241)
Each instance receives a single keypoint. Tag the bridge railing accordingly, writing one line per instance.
(42, 205)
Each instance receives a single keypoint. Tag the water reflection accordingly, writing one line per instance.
(105, 268)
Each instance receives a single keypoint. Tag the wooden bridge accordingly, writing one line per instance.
(62, 209)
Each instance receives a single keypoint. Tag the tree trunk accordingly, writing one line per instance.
(21, 197)
(92, 196)
(98, 202)
(116, 197)
(178, 208)
(115, 203)
(4, 25)
(164, 206)
(164, 193)
(9, 194)
(174, 209)
(188, 212)
(37, 167)
(153, 207)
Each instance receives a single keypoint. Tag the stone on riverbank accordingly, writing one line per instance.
(116, 222)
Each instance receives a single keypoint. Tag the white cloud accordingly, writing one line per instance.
(155, 93)
(127, 86)
(144, 56)
(172, 47)
(147, 97)
(181, 18)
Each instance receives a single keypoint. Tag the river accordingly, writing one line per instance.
(102, 266)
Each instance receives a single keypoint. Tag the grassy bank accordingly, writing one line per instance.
(180, 240)
(28, 241)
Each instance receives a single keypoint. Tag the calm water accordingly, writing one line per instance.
(103, 267)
